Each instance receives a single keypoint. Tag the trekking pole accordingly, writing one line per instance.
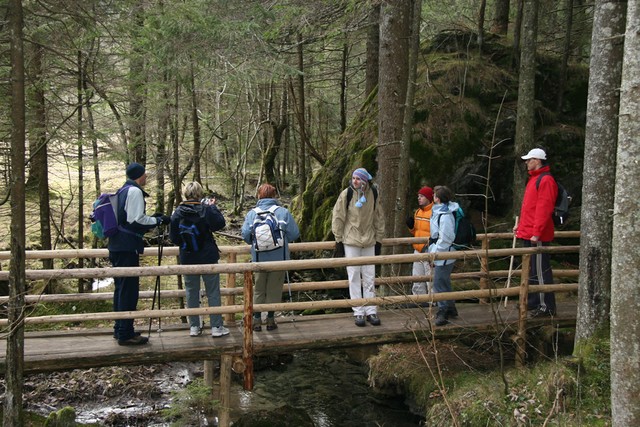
(156, 290)
(513, 245)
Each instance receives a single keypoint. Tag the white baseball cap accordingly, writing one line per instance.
(536, 153)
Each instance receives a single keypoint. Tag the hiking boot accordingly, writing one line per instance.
(135, 334)
(135, 340)
(441, 318)
(194, 331)
(271, 324)
(257, 325)
(373, 319)
(219, 331)
(452, 312)
(541, 312)
(360, 320)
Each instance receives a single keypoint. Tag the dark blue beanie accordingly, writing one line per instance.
(135, 171)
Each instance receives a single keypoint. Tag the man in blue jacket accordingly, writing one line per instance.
(126, 246)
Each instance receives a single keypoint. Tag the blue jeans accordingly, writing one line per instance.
(442, 283)
(212, 289)
(125, 295)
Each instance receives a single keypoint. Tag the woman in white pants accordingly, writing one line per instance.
(358, 227)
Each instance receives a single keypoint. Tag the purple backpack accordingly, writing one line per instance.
(104, 217)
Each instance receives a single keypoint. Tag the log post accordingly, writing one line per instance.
(208, 373)
(521, 338)
(247, 345)
(230, 318)
(484, 268)
(226, 362)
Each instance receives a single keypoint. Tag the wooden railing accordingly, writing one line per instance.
(230, 268)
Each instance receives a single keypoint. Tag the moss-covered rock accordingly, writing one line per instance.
(465, 103)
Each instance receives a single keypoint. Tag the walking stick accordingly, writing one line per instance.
(513, 246)
(156, 290)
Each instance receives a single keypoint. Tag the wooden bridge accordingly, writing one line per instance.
(405, 318)
(86, 348)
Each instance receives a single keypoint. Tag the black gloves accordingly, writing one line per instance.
(338, 252)
(378, 249)
(163, 219)
(411, 222)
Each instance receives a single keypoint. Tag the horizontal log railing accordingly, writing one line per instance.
(169, 251)
(232, 268)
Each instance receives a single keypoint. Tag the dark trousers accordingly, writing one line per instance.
(125, 295)
(540, 274)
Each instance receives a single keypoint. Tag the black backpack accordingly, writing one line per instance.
(192, 236)
(465, 231)
(563, 200)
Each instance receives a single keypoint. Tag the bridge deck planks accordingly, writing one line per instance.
(64, 350)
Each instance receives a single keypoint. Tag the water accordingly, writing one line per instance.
(330, 386)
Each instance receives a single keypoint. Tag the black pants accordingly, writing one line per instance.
(540, 274)
(125, 295)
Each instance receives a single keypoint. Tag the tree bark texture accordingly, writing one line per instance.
(525, 121)
(395, 18)
(517, 31)
(601, 135)
(625, 274)
(14, 376)
(38, 172)
(373, 50)
(501, 17)
(566, 53)
(399, 224)
(80, 153)
(136, 92)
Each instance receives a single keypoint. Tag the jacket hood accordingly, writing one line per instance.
(189, 210)
(450, 207)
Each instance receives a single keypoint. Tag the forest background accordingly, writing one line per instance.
(299, 93)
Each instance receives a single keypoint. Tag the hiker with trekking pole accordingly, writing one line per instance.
(536, 228)
(125, 247)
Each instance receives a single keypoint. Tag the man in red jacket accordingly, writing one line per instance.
(536, 227)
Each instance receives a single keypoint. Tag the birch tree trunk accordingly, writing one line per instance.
(625, 274)
(525, 121)
(14, 376)
(601, 135)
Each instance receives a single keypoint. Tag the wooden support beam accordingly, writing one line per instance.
(224, 419)
(247, 345)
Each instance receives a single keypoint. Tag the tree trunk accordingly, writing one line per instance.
(343, 86)
(501, 17)
(400, 227)
(161, 144)
(625, 274)
(481, 17)
(195, 122)
(136, 92)
(373, 50)
(517, 30)
(300, 108)
(566, 53)
(14, 373)
(39, 155)
(598, 178)
(525, 121)
(395, 28)
(80, 142)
